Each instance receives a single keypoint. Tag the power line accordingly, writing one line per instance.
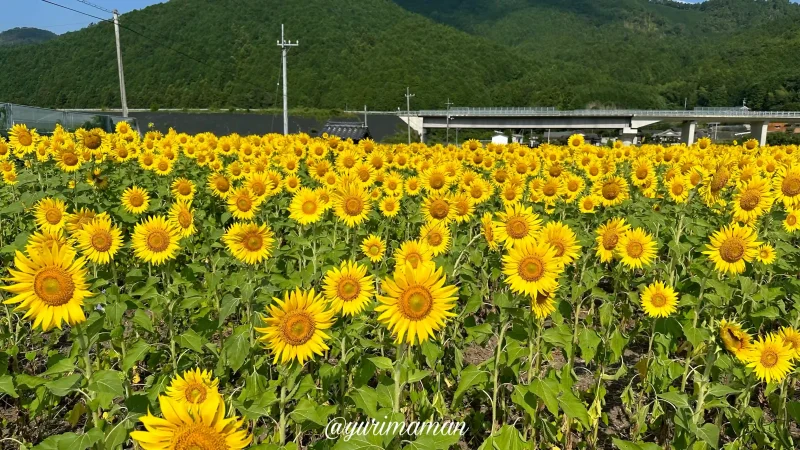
(95, 6)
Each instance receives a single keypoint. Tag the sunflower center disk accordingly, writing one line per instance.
(101, 241)
(437, 181)
(136, 200)
(749, 200)
(223, 185)
(197, 436)
(559, 246)
(157, 241)
(791, 220)
(610, 240)
(374, 250)
(415, 303)
(791, 186)
(517, 228)
(349, 289)
(731, 250)
(634, 249)
(195, 393)
(435, 239)
(610, 191)
(677, 189)
(185, 219)
(549, 189)
(439, 209)
(719, 181)
(531, 268)
(769, 358)
(253, 242)
(658, 300)
(353, 206)
(641, 173)
(53, 216)
(244, 204)
(54, 286)
(298, 328)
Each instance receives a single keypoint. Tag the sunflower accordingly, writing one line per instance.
(792, 221)
(373, 247)
(413, 253)
(786, 185)
(732, 247)
(135, 200)
(752, 200)
(22, 139)
(543, 304)
(487, 227)
(679, 188)
(587, 204)
(608, 237)
(417, 303)
(207, 428)
(464, 207)
(181, 216)
(791, 337)
(306, 207)
(390, 206)
(770, 358)
(44, 239)
(155, 240)
(532, 268)
(219, 184)
(249, 242)
(562, 239)
(99, 240)
(183, 189)
(351, 204)
(193, 390)
(613, 190)
(636, 248)
(517, 224)
(94, 139)
(438, 207)
(735, 339)
(412, 186)
(259, 184)
(242, 204)
(294, 327)
(576, 141)
(50, 286)
(51, 214)
(437, 236)
(348, 288)
(659, 300)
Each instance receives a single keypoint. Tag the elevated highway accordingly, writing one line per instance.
(627, 121)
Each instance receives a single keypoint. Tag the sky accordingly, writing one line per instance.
(38, 14)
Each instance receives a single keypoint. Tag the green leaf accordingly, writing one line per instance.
(418, 375)
(72, 441)
(524, 398)
(134, 354)
(141, 318)
(236, 347)
(358, 442)
(676, 399)
(117, 433)
(61, 365)
(627, 445)
(438, 441)
(618, 343)
(720, 390)
(192, 341)
(508, 438)
(308, 411)
(63, 386)
(547, 391)
(7, 386)
(470, 376)
(228, 306)
(107, 384)
(381, 362)
(366, 399)
(794, 410)
(709, 433)
(573, 407)
(696, 336)
(588, 341)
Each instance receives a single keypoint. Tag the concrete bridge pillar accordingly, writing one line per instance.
(628, 136)
(687, 132)
(423, 135)
(759, 132)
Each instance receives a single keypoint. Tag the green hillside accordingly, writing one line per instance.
(24, 36)
(568, 54)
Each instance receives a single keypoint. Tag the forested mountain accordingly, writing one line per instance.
(24, 36)
(568, 54)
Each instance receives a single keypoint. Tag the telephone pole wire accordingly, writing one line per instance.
(285, 46)
(408, 112)
(122, 95)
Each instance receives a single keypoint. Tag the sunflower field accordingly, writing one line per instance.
(169, 291)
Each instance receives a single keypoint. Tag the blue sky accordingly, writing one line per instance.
(38, 14)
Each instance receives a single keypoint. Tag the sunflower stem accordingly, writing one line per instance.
(496, 388)
(87, 358)
(398, 368)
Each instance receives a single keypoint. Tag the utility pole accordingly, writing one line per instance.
(122, 95)
(285, 46)
(408, 112)
(449, 104)
(365, 116)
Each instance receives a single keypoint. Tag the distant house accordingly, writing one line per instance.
(499, 138)
(784, 128)
(347, 130)
(667, 136)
